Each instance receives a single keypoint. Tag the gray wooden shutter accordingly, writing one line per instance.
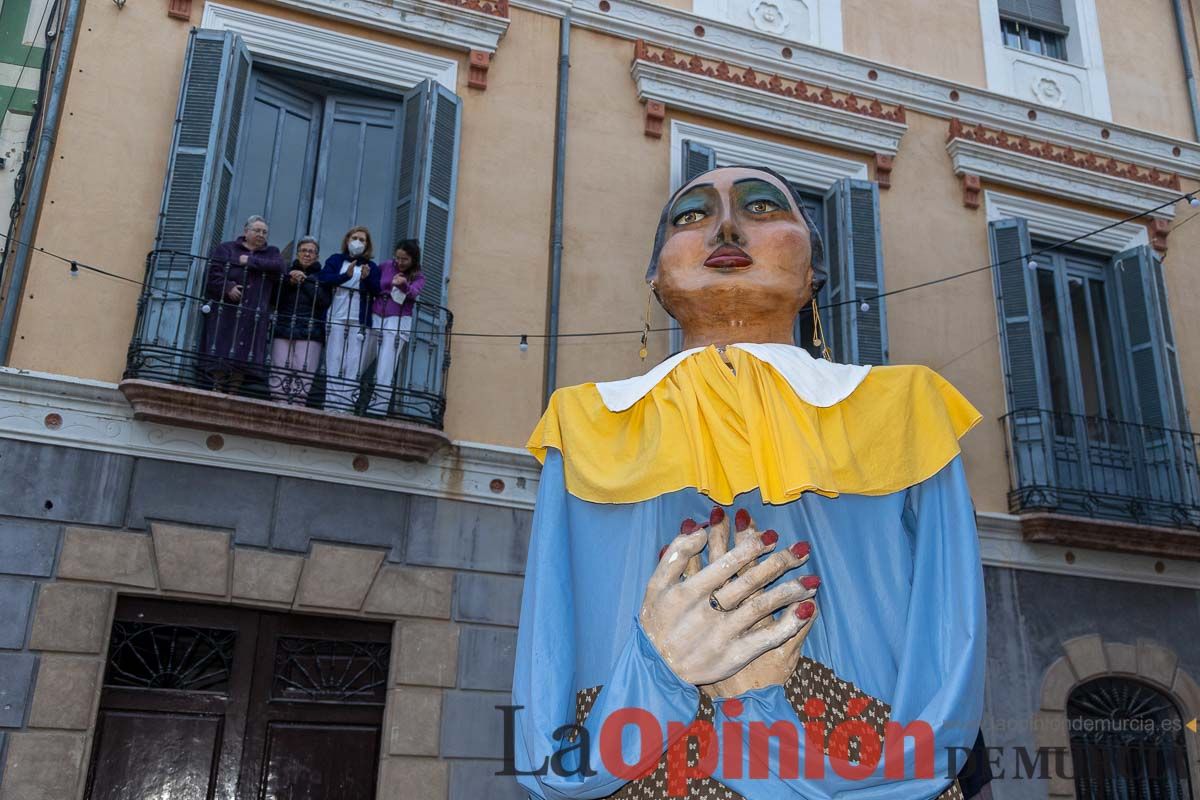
(1043, 13)
(200, 170)
(1154, 369)
(855, 266)
(425, 211)
(697, 160)
(1023, 354)
(428, 178)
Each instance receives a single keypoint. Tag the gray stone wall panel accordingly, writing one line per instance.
(494, 599)
(16, 684)
(63, 483)
(472, 726)
(307, 510)
(28, 548)
(211, 497)
(485, 658)
(472, 780)
(16, 600)
(451, 533)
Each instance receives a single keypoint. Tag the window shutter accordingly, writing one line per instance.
(425, 211)
(1154, 369)
(1042, 13)
(428, 177)
(697, 160)
(1023, 355)
(855, 256)
(200, 169)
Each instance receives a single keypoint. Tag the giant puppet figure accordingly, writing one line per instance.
(673, 638)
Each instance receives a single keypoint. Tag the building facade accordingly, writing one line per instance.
(333, 573)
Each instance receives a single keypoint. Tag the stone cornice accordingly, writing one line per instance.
(746, 77)
(1004, 166)
(72, 412)
(457, 24)
(757, 108)
(681, 30)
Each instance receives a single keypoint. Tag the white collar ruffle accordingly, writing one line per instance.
(816, 381)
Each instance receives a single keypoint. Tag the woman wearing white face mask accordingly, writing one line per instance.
(354, 278)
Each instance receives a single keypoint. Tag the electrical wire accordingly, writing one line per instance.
(76, 265)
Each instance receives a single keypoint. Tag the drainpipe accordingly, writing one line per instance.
(1189, 73)
(550, 377)
(37, 183)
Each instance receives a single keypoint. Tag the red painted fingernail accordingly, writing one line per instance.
(716, 516)
(662, 552)
(769, 538)
(806, 609)
(800, 549)
(808, 581)
(688, 526)
(741, 520)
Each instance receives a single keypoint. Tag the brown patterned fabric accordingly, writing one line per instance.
(811, 681)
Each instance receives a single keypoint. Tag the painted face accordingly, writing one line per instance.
(403, 259)
(737, 251)
(307, 254)
(256, 235)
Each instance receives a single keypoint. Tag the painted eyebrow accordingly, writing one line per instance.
(686, 195)
(765, 183)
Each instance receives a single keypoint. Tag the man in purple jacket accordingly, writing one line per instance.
(242, 279)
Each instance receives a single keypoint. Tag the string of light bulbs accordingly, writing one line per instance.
(76, 266)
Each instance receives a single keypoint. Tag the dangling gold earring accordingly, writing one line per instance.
(646, 322)
(819, 332)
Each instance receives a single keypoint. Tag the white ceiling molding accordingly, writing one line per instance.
(1060, 180)
(1001, 545)
(423, 20)
(755, 108)
(1079, 84)
(96, 416)
(813, 170)
(663, 25)
(1057, 224)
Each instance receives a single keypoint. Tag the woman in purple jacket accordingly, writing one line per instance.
(392, 317)
(242, 279)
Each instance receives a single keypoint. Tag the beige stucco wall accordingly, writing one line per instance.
(1183, 291)
(501, 253)
(1144, 66)
(930, 36)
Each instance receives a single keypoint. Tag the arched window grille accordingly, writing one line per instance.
(1127, 742)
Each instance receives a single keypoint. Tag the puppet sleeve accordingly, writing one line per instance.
(544, 690)
(938, 695)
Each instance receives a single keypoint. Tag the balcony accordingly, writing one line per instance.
(1104, 483)
(215, 364)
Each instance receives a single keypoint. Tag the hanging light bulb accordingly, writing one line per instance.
(1193, 201)
(74, 270)
(524, 345)
(865, 306)
(205, 309)
(1032, 264)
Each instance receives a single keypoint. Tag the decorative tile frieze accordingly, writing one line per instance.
(1063, 154)
(495, 8)
(714, 87)
(796, 89)
(1060, 170)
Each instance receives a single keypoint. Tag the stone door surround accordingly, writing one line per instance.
(48, 759)
(1088, 657)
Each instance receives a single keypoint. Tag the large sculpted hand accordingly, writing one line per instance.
(704, 645)
(776, 665)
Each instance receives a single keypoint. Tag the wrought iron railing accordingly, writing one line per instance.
(287, 347)
(1097, 467)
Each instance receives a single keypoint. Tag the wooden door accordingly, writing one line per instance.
(201, 703)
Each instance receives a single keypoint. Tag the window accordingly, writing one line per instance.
(1035, 26)
(1023, 36)
(1126, 742)
(847, 214)
(1096, 420)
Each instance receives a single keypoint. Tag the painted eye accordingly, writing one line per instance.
(688, 217)
(761, 207)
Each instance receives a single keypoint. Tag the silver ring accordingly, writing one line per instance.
(715, 603)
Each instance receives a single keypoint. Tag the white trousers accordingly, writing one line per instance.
(343, 364)
(389, 334)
